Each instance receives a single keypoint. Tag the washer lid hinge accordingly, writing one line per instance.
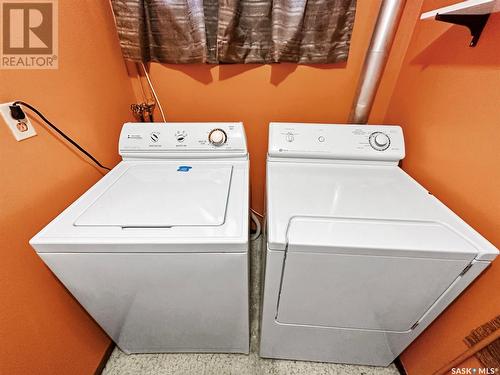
(467, 268)
(415, 325)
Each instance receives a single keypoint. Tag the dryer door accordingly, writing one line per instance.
(367, 274)
(163, 195)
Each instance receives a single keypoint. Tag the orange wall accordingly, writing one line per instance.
(447, 100)
(258, 94)
(43, 330)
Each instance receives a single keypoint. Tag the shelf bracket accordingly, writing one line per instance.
(475, 23)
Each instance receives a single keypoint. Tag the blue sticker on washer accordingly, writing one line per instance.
(183, 168)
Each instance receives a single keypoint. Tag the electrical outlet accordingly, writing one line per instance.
(20, 129)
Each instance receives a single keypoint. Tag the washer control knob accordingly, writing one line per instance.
(217, 137)
(379, 141)
(289, 137)
(180, 136)
(155, 137)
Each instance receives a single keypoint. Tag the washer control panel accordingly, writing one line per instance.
(336, 141)
(176, 137)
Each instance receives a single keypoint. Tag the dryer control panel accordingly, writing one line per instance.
(336, 141)
(171, 139)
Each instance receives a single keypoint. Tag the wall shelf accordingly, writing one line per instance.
(471, 13)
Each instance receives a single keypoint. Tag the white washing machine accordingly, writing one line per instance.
(360, 258)
(157, 250)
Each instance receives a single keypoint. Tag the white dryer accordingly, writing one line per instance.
(157, 250)
(360, 258)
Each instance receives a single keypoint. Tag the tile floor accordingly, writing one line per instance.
(232, 364)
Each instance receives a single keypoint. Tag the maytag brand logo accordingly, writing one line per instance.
(29, 34)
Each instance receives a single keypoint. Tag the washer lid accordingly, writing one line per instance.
(162, 195)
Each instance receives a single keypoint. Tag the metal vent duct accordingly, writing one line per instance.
(376, 59)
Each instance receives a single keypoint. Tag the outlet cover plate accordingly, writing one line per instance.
(21, 130)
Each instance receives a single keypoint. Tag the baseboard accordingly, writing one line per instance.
(104, 359)
(399, 366)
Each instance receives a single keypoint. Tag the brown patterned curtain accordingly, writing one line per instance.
(235, 31)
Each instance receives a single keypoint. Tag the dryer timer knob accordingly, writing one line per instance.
(379, 141)
(217, 137)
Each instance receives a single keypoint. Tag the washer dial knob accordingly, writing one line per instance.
(217, 137)
(379, 141)
(155, 136)
(180, 135)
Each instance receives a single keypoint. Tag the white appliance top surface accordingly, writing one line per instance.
(132, 207)
(163, 195)
(378, 208)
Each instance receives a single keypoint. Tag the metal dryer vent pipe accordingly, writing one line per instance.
(376, 59)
